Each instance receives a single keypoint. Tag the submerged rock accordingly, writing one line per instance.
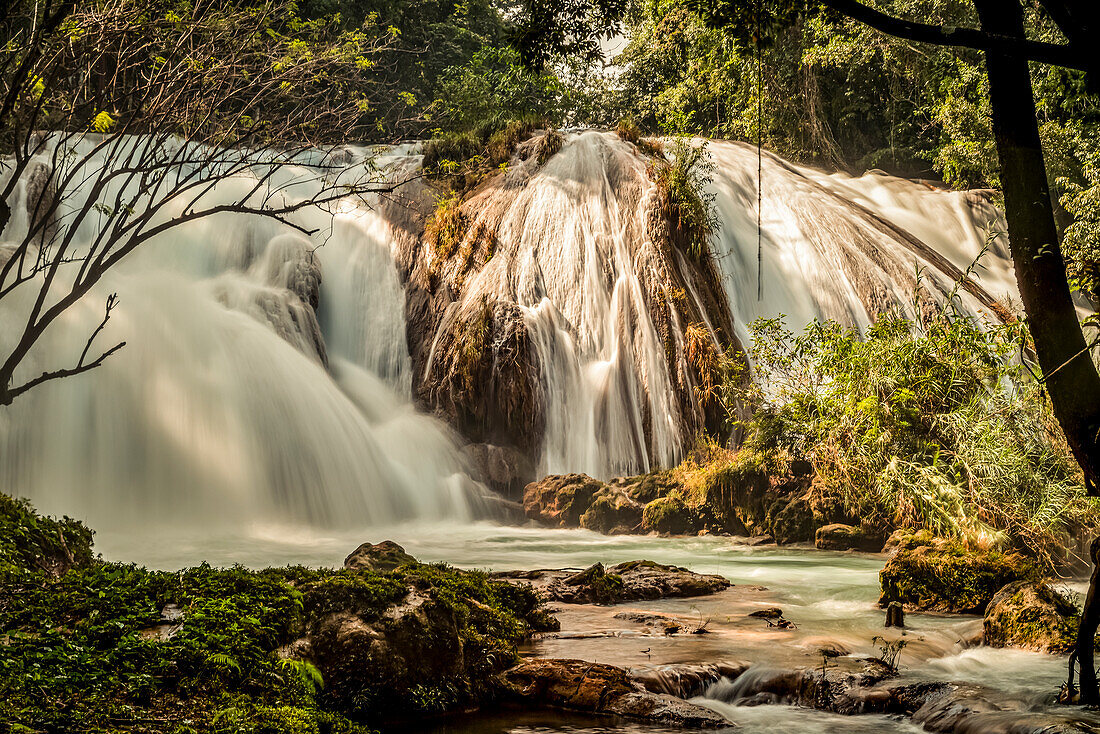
(384, 556)
(949, 578)
(579, 685)
(1031, 615)
(687, 679)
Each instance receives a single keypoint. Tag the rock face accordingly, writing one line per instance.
(1033, 616)
(685, 680)
(384, 556)
(840, 537)
(601, 689)
(946, 577)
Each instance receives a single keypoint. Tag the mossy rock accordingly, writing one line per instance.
(384, 556)
(645, 488)
(560, 500)
(791, 520)
(1033, 616)
(612, 512)
(669, 515)
(950, 578)
(839, 537)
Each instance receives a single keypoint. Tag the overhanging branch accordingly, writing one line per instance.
(1047, 53)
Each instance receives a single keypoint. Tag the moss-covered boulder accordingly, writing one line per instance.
(948, 577)
(1031, 615)
(791, 520)
(384, 556)
(613, 511)
(560, 500)
(669, 516)
(840, 537)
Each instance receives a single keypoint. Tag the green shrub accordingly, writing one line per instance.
(932, 426)
(34, 542)
(681, 198)
(447, 226)
(628, 130)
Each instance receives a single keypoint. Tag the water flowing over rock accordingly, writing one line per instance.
(272, 376)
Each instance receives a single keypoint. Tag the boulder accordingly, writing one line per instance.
(559, 500)
(947, 577)
(504, 469)
(840, 537)
(613, 512)
(596, 688)
(630, 581)
(384, 556)
(669, 516)
(1031, 615)
(792, 520)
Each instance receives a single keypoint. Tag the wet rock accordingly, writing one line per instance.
(504, 469)
(1033, 616)
(384, 556)
(895, 615)
(560, 500)
(949, 578)
(767, 613)
(613, 512)
(649, 619)
(630, 581)
(970, 708)
(602, 689)
(685, 680)
(792, 521)
(669, 516)
(840, 537)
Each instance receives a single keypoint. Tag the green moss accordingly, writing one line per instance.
(669, 515)
(91, 650)
(950, 578)
(447, 226)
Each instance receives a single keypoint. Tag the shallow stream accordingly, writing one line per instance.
(831, 597)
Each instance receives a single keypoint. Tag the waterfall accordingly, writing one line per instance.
(231, 401)
(267, 373)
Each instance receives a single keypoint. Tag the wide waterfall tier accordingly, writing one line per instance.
(363, 374)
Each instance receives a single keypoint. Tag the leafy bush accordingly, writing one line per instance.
(113, 647)
(681, 198)
(933, 426)
(29, 540)
(628, 130)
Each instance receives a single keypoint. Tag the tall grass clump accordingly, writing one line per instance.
(934, 426)
(682, 201)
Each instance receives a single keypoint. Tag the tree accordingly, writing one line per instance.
(121, 118)
(1068, 371)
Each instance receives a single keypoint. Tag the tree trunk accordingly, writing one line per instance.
(1071, 378)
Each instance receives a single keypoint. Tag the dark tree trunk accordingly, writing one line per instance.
(1071, 378)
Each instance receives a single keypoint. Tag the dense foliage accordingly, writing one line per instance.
(115, 647)
(935, 426)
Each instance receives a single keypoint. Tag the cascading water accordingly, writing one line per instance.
(267, 375)
(220, 409)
